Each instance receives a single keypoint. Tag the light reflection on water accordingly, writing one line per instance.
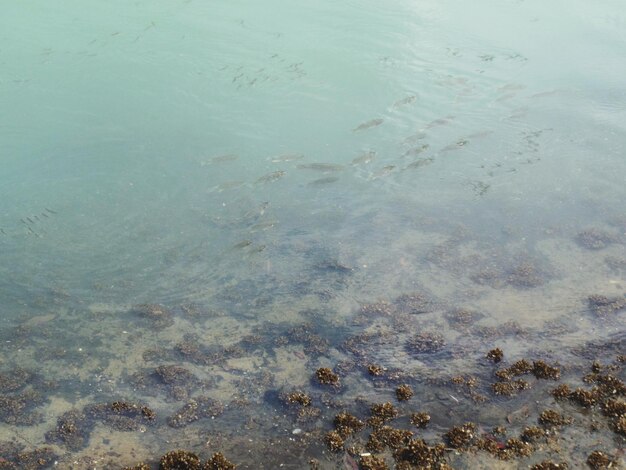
(277, 183)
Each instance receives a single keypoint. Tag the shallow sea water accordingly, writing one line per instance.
(250, 191)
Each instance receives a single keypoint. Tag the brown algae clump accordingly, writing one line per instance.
(198, 408)
(601, 305)
(418, 454)
(371, 462)
(561, 392)
(509, 388)
(425, 343)
(553, 418)
(549, 465)
(541, 370)
(375, 370)
(420, 420)
(461, 436)
(218, 462)
(532, 433)
(598, 460)
(347, 424)
(495, 355)
(404, 392)
(325, 376)
(594, 239)
(334, 441)
(384, 411)
(180, 460)
(296, 397)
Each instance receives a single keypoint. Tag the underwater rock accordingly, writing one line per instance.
(72, 430)
(415, 303)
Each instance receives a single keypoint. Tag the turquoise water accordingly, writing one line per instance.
(261, 161)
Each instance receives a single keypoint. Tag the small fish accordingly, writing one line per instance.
(368, 124)
(227, 185)
(365, 157)
(263, 225)
(322, 181)
(407, 100)
(321, 167)
(45, 215)
(243, 244)
(2, 231)
(50, 210)
(220, 159)
(271, 177)
(416, 150)
(30, 220)
(440, 122)
(23, 221)
(288, 157)
(419, 163)
(384, 171)
(455, 146)
(36, 217)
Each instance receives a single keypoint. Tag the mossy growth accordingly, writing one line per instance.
(404, 392)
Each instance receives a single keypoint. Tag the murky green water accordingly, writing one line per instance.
(247, 190)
